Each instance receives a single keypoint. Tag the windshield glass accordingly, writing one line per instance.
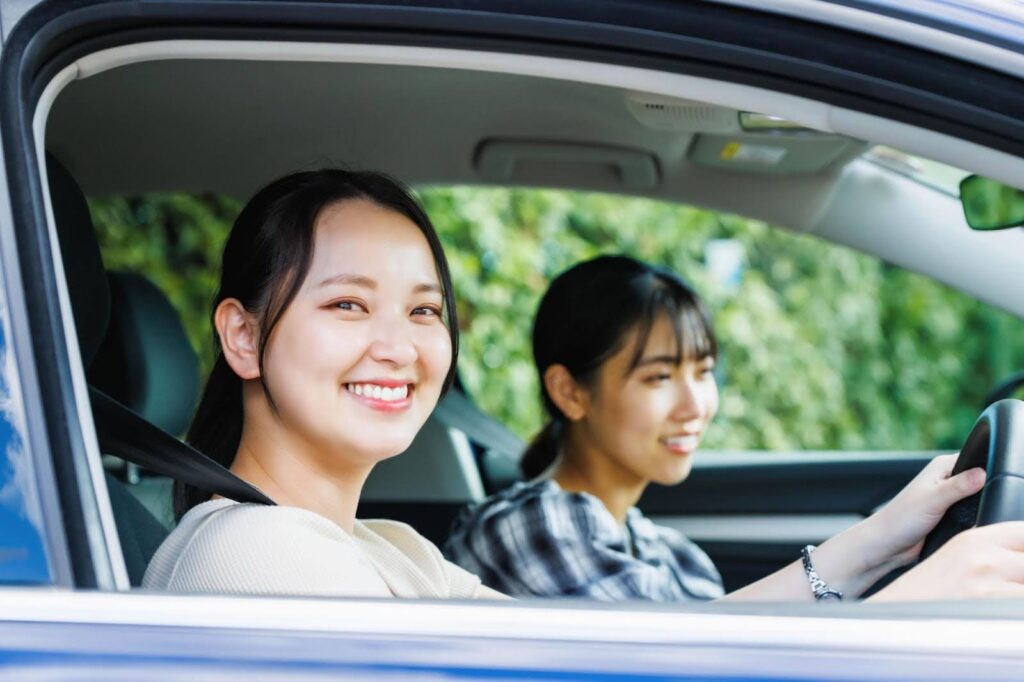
(942, 177)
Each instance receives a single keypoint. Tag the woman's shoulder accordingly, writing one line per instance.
(539, 504)
(394, 532)
(512, 500)
(226, 546)
(222, 526)
(237, 522)
(414, 565)
(383, 537)
(644, 528)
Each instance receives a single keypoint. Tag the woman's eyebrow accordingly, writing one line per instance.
(369, 283)
(428, 287)
(344, 278)
(658, 359)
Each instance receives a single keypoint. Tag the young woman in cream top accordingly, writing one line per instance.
(337, 333)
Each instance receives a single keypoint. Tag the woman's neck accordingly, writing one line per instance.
(295, 473)
(582, 469)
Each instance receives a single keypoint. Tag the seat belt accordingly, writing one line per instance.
(123, 433)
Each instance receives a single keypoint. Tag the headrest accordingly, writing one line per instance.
(146, 362)
(83, 265)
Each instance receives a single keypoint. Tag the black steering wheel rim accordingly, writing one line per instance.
(996, 443)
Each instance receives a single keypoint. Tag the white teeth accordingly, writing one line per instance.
(376, 392)
(687, 442)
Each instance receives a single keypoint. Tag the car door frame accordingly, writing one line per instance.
(720, 41)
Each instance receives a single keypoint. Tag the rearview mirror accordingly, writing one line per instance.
(991, 205)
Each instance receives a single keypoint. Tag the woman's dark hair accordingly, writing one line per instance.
(265, 261)
(587, 315)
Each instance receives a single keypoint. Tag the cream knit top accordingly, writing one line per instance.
(225, 547)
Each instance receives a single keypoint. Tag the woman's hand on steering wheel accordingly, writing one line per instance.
(899, 528)
(982, 562)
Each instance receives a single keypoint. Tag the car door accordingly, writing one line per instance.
(919, 87)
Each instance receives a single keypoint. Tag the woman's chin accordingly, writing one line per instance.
(676, 474)
(390, 453)
(376, 450)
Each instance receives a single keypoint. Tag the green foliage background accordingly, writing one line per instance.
(822, 347)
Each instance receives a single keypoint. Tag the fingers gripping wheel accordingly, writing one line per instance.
(996, 443)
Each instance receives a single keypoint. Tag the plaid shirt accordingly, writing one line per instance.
(534, 539)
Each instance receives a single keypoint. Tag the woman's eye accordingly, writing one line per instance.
(659, 378)
(427, 310)
(349, 305)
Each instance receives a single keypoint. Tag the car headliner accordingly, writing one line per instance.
(228, 125)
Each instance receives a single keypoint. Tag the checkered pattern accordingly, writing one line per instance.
(534, 539)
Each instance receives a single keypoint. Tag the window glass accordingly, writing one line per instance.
(822, 347)
(22, 555)
(942, 177)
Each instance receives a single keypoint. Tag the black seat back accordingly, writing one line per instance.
(138, 529)
(146, 361)
(83, 266)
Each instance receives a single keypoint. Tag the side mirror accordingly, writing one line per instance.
(991, 205)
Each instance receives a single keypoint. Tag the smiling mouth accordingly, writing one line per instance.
(385, 394)
(682, 444)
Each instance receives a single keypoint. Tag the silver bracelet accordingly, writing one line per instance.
(821, 590)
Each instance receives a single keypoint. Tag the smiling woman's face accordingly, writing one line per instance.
(357, 362)
(650, 419)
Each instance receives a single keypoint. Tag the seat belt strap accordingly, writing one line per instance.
(123, 433)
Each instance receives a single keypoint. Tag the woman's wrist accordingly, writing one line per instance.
(885, 550)
(851, 562)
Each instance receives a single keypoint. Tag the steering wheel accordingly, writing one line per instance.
(996, 443)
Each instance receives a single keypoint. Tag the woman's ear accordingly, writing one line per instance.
(566, 392)
(239, 338)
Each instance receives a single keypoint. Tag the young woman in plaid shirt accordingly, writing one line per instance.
(625, 352)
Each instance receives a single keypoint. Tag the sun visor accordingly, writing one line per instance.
(776, 154)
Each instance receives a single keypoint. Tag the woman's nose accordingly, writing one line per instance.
(393, 343)
(691, 403)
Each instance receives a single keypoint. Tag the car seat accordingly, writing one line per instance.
(145, 361)
(128, 329)
(147, 364)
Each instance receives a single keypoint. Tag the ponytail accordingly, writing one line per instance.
(542, 451)
(216, 429)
